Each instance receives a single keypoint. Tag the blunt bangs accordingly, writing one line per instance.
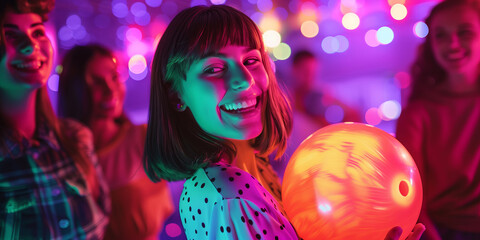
(216, 28)
(204, 33)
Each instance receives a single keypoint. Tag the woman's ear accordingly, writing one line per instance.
(181, 106)
(176, 101)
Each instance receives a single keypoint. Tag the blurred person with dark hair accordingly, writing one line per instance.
(440, 125)
(91, 92)
(310, 102)
(50, 185)
(313, 98)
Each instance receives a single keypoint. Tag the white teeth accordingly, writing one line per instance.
(455, 56)
(240, 105)
(33, 65)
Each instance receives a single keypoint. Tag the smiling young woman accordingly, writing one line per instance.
(91, 92)
(50, 186)
(440, 124)
(216, 113)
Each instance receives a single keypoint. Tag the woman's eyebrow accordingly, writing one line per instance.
(214, 54)
(9, 25)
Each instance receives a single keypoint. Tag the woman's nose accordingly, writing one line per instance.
(454, 41)
(27, 45)
(241, 78)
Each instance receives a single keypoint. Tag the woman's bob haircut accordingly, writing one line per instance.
(176, 146)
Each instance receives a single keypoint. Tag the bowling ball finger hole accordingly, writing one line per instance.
(403, 188)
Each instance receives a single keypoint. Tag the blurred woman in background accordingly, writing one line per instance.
(50, 187)
(91, 92)
(440, 125)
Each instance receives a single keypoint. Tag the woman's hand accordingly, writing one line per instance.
(396, 232)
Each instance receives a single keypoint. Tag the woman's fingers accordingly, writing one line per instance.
(394, 233)
(417, 232)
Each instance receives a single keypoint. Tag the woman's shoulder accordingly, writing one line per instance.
(414, 107)
(224, 202)
(228, 181)
(75, 129)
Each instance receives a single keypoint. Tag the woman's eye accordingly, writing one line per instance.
(9, 35)
(38, 33)
(465, 33)
(212, 70)
(98, 80)
(250, 61)
(440, 36)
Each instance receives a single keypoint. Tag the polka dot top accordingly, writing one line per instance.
(225, 202)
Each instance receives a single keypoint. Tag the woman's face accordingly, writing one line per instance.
(107, 91)
(28, 58)
(456, 39)
(223, 92)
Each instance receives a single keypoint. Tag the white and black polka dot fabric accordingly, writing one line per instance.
(225, 202)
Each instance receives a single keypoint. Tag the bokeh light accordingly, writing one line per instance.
(156, 41)
(217, 2)
(390, 110)
(420, 29)
(398, 11)
(282, 51)
(65, 33)
(173, 230)
(74, 21)
(372, 116)
(269, 22)
(350, 21)
(272, 38)
(121, 32)
(59, 69)
(385, 35)
(138, 77)
(308, 8)
(334, 114)
(137, 64)
(257, 17)
(330, 44)
(194, 3)
(348, 6)
(308, 12)
(53, 82)
(138, 9)
(309, 29)
(120, 10)
(80, 33)
(133, 34)
(264, 5)
(393, 2)
(343, 43)
(371, 38)
(138, 47)
(402, 80)
(143, 20)
(153, 3)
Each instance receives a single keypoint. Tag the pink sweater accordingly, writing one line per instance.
(442, 133)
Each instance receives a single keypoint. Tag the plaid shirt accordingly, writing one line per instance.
(43, 195)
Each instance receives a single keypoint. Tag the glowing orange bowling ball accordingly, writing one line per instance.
(351, 181)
